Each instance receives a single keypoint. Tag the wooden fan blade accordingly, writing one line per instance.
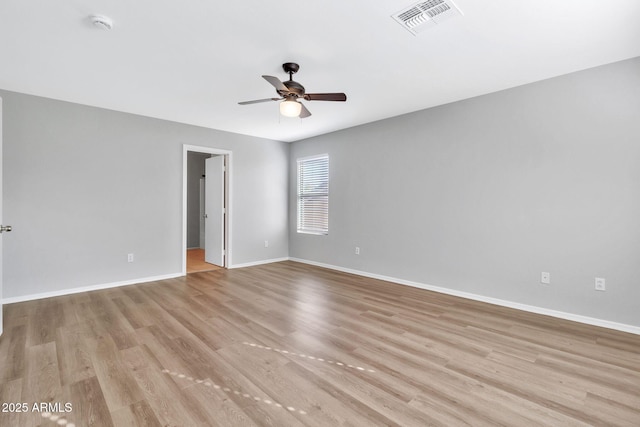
(325, 97)
(275, 82)
(256, 101)
(304, 112)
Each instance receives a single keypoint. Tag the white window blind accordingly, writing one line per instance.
(313, 195)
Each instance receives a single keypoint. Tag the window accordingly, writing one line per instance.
(313, 195)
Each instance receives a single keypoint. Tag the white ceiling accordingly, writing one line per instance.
(192, 61)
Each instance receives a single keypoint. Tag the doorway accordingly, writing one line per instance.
(206, 209)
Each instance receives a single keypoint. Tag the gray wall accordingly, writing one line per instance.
(482, 195)
(195, 171)
(85, 186)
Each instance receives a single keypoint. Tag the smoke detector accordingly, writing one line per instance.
(101, 21)
(425, 14)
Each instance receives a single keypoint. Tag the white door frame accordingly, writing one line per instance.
(228, 202)
(1, 284)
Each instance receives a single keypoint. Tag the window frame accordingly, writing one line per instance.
(301, 225)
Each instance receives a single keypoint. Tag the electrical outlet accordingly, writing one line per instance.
(545, 278)
(357, 250)
(129, 257)
(266, 243)
(600, 284)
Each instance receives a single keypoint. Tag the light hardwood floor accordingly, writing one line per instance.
(288, 344)
(196, 262)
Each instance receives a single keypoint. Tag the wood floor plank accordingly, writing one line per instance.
(11, 393)
(129, 310)
(616, 413)
(12, 352)
(118, 386)
(41, 380)
(269, 389)
(221, 411)
(44, 317)
(89, 405)
(167, 401)
(74, 358)
(288, 344)
(136, 414)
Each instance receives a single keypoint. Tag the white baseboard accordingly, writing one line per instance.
(63, 292)
(504, 303)
(264, 261)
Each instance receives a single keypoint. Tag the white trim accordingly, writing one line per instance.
(228, 194)
(1, 238)
(264, 261)
(312, 157)
(99, 287)
(311, 226)
(504, 303)
(518, 306)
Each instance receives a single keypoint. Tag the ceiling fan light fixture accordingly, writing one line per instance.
(290, 108)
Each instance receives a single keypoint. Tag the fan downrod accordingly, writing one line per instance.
(294, 88)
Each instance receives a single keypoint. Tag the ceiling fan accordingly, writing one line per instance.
(290, 92)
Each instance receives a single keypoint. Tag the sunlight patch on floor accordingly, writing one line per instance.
(308, 357)
(236, 392)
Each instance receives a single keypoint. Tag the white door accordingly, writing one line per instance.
(214, 210)
(1, 226)
(202, 212)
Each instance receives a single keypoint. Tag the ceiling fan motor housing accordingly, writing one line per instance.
(295, 88)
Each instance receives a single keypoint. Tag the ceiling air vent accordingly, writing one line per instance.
(425, 14)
